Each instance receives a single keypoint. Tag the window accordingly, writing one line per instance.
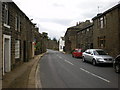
(100, 52)
(79, 50)
(61, 47)
(101, 22)
(17, 23)
(87, 51)
(6, 14)
(82, 31)
(88, 29)
(17, 49)
(101, 42)
(95, 53)
(105, 21)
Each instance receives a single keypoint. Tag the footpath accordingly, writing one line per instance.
(23, 76)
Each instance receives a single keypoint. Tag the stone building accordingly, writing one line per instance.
(45, 41)
(106, 33)
(71, 36)
(52, 44)
(70, 39)
(85, 37)
(39, 42)
(17, 36)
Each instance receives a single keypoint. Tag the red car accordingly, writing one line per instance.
(77, 53)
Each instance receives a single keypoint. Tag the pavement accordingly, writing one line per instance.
(23, 76)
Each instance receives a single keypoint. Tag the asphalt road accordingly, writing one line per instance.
(58, 70)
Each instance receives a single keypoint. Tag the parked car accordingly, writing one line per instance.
(97, 56)
(116, 64)
(77, 53)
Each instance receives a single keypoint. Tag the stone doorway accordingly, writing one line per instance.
(6, 53)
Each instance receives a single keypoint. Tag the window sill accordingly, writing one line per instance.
(17, 57)
(7, 26)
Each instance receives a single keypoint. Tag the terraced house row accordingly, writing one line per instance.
(103, 32)
(19, 37)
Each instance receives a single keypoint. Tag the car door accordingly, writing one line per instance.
(91, 55)
(86, 55)
(74, 53)
(79, 53)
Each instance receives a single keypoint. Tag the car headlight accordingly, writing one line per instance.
(99, 59)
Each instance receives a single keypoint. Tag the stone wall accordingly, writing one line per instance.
(85, 37)
(23, 33)
(70, 39)
(73, 39)
(110, 31)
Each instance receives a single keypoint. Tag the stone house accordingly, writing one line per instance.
(70, 39)
(61, 44)
(71, 36)
(106, 33)
(52, 44)
(45, 41)
(39, 42)
(85, 37)
(17, 36)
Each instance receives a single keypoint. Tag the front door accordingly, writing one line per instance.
(6, 54)
(24, 51)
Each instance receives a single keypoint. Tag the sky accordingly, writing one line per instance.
(55, 16)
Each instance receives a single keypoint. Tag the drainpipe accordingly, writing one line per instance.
(119, 28)
(1, 46)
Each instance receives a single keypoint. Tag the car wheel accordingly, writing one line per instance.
(83, 59)
(117, 68)
(94, 62)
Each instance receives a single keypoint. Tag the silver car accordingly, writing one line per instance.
(96, 56)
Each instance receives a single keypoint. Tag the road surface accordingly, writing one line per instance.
(58, 70)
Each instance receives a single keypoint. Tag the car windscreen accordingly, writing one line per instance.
(79, 50)
(100, 52)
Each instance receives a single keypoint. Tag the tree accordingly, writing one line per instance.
(45, 35)
(54, 39)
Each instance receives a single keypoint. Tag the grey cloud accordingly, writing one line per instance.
(51, 34)
(58, 21)
(6, 0)
(43, 29)
(89, 14)
(57, 5)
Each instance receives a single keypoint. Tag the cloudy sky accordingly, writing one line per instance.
(55, 16)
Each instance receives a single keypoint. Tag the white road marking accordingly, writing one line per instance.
(95, 75)
(66, 60)
(87, 71)
(59, 56)
(69, 62)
